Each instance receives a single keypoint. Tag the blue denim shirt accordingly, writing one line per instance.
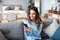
(35, 34)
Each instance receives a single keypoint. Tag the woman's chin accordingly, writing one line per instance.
(31, 18)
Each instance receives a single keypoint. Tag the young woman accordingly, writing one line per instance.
(33, 26)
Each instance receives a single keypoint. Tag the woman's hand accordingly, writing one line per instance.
(30, 29)
(27, 29)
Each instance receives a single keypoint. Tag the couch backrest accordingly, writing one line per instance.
(13, 30)
(47, 23)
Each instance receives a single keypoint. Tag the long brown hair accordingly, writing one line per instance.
(37, 17)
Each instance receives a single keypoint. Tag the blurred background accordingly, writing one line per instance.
(16, 10)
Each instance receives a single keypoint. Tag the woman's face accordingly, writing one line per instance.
(32, 14)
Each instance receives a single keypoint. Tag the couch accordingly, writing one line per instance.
(14, 31)
(45, 25)
(56, 35)
(11, 31)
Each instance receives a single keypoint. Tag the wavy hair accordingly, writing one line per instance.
(37, 17)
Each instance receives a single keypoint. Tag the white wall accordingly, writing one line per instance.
(47, 4)
(37, 4)
(24, 3)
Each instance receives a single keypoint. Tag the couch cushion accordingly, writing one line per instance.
(12, 30)
(50, 30)
(46, 23)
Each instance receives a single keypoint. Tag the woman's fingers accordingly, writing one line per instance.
(25, 28)
(30, 29)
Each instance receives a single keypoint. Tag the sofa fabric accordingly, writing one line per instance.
(50, 30)
(13, 30)
(45, 25)
(2, 37)
(56, 35)
(54, 26)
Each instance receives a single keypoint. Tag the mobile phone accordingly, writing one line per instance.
(25, 25)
